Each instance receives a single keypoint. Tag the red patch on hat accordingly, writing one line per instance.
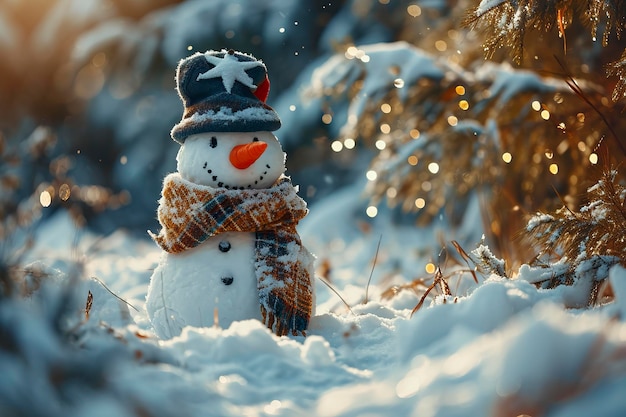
(263, 90)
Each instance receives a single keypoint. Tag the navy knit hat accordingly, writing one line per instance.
(223, 91)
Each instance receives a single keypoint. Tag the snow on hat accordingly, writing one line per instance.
(223, 91)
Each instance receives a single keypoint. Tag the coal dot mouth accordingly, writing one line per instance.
(222, 184)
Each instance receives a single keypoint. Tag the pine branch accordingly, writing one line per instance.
(597, 229)
(589, 241)
(505, 24)
(618, 69)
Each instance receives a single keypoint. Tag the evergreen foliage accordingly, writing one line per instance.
(512, 25)
(446, 127)
(589, 241)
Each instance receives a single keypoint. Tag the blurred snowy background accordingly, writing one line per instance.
(398, 131)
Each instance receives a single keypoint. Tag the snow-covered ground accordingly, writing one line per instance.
(497, 348)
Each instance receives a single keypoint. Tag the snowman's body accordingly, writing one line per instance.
(217, 278)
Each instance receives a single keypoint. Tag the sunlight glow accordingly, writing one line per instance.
(430, 268)
(88, 82)
(349, 143)
(64, 192)
(412, 160)
(452, 120)
(371, 211)
(460, 90)
(420, 203)
(463, 104)
(554, 169)
(398, 83)
(45, 199)
(385, 108)
(593, 158)
(380, 144)
(273, 407)
(414, 133)
(391, 192)
(371, 175)
(433, 167)
(414, 10)
(327, 118)
(545, 114)
(336, 146)
(507, 157)
(536, 105)
(351, 52)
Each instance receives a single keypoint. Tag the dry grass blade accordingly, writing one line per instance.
(437, 280)
(329, 285)
(88, 305)
(443, 284)
(466, 258)
(394, 290)
(115, 295)
(369, 280)
(421, 302)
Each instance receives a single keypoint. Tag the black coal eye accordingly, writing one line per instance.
(213, 141)
(255, 139)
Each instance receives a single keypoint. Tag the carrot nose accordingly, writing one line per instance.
(242, 156)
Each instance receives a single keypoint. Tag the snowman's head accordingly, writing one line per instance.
(234, 160)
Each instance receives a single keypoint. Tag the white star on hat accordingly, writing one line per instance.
(229, 69)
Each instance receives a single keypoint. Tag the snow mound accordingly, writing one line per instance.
(503, 347)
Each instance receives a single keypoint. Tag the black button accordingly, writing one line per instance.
(224, 246)
(227, 280)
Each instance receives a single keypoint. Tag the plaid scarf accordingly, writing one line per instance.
(190, 214)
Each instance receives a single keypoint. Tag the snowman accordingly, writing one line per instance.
(228, 215)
